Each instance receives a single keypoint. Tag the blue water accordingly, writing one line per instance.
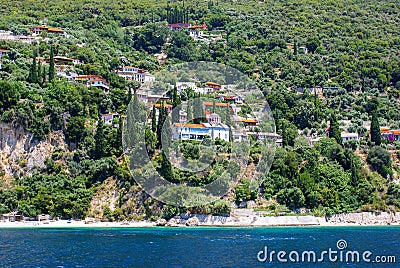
(188, 247)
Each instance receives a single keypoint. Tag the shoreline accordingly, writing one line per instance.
(64, 224)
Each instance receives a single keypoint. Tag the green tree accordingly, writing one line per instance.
(150, 37)
(100, 141)
(293, 198)
(176, 102)
(33, 74)
(198, 112)
(51, 65)
(243, 191)
(289, 133)
(375, 129)
(153, 119)
(74, 132)
(380, 161)
(334, 130)
(118, 140)
(162, 116)
(182, 46)
(166, 167)
(312, 44)
(189, 110)
(39, 73)
(9, 95)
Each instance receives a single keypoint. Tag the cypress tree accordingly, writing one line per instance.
(32, 76)
(39, 73)
(295, 48)
(51, 65)
(166, 168)
(153, 119)
(129, 97)
(100, 141)
(160, 123)
(334, 130)
(43, 79)
(227, 116)
(118, 139)
(198, 112)
(375, 129)
(176, 101)
(189, 111)
(316, 105)
(166, 132)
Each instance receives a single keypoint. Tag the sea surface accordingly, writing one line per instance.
(197, 247)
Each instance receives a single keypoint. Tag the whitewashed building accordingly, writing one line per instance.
(349, 136)
(136, 74)
(198, 132)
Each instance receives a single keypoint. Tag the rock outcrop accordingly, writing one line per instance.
(366, 218)
(192, 221)
(173, 223)
(21, 154)
(161, 222)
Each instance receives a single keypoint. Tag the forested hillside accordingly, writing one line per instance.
(325, 67)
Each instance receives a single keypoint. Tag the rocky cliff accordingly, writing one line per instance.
(21, 154)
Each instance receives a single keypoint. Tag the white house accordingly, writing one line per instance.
(70, 76)
(136, 74)
(349, 136)
(184, 85)
(200, 131)
(94, 81)
(108, 118)
(3, 52)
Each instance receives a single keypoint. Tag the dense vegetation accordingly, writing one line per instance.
(353, 51)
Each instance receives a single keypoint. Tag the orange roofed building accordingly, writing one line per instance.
(37, 30)
(391, 135)
(213, 85)
(198, 132)
(3, 52)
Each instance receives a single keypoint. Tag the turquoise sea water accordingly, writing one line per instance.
(192, 247)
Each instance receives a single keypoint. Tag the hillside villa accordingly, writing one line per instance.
(37, 30)
(65, 60)
(349, 136)
(136, 74)
(109, 118)
(3, 52)
(93, 81)
(200, 131)
(390, 135)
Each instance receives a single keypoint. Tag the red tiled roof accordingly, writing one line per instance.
(91, 77)
(212, 84)
(218, 104)
(189, 125)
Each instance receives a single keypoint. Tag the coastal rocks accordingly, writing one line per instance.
(247, 204)
(173, 223)
(161, 222)
(365, 218)
(192, 222)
